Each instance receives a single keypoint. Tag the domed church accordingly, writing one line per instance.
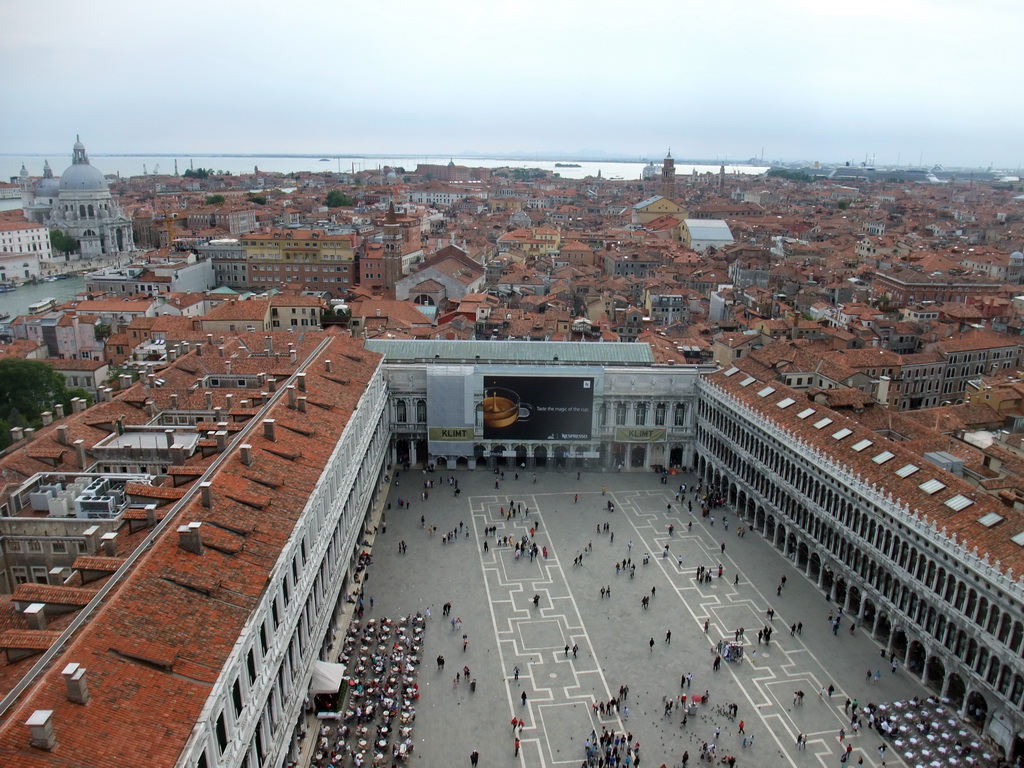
(80, 205)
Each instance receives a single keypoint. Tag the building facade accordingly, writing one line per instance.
(917, 557)
(632, 414)
(80, 205)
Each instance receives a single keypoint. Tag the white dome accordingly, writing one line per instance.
(47, 187)
(82, 178)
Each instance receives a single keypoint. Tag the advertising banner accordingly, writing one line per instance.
(450, 434)
(538, 407)
(640, 434)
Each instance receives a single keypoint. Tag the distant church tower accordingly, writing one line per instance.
(668, 177)
(721, 179)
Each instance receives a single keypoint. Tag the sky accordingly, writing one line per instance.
(881, 81)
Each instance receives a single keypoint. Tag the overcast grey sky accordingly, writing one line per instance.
(827, 80)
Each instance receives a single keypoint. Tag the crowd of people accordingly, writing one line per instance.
(382, 658)
(924, 732)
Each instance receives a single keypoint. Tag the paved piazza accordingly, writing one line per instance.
(492, 593)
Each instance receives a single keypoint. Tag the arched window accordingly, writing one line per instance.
(659, 415)
(400, 414)
(641, 414)
(680, 420)
(620, 413)
(421, 411)
(81, 211)
(92, 212)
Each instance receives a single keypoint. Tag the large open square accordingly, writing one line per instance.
(492, 594)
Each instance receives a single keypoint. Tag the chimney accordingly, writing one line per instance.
(206, 490)
(269, 431)
(209, 401)
(47, 417)
(151, 515)
(220, 350)
(30, 434)
(150, 406)
(227, 367)
(62, 434)
(108, 394)
(91, 543)
(17, 434)
(222, 439)
(58, 409)
(218, 414)
(174, 400)
(293, 354)
(125, 380)
(172, 354)
(184, 348)
(327, 365)
(178, 454)
(109, 541)
(169, 437)
(273, 384)
(247, 454)
(883, 390)
(77, 404)
(190, 538)
(302, 405)
(301, 379)
(150, 379)
(35, 615)
(199, 349)
(80, 448)
(269, 344)
(209, 339)
(40, 730)
(55, 577)
(74, 680)
(229, 399)
(291, 396)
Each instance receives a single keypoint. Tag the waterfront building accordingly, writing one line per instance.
(79, 204)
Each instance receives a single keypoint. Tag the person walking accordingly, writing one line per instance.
(523, 697)
(517, 747)
(668, 637)
(515, 670)
(741, 727)
(652, 643)
(474, 757)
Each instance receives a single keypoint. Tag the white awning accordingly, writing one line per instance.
(327, 677)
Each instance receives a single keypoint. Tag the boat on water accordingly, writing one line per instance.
(42, 306)
(7, 287)
(568, 165)
(325, 159)
(5, 316)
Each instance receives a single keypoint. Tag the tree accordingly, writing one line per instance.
(62, 243)
(214, 199)
(338, 199)
(27, 389)
(197, 173)
(258, 199)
